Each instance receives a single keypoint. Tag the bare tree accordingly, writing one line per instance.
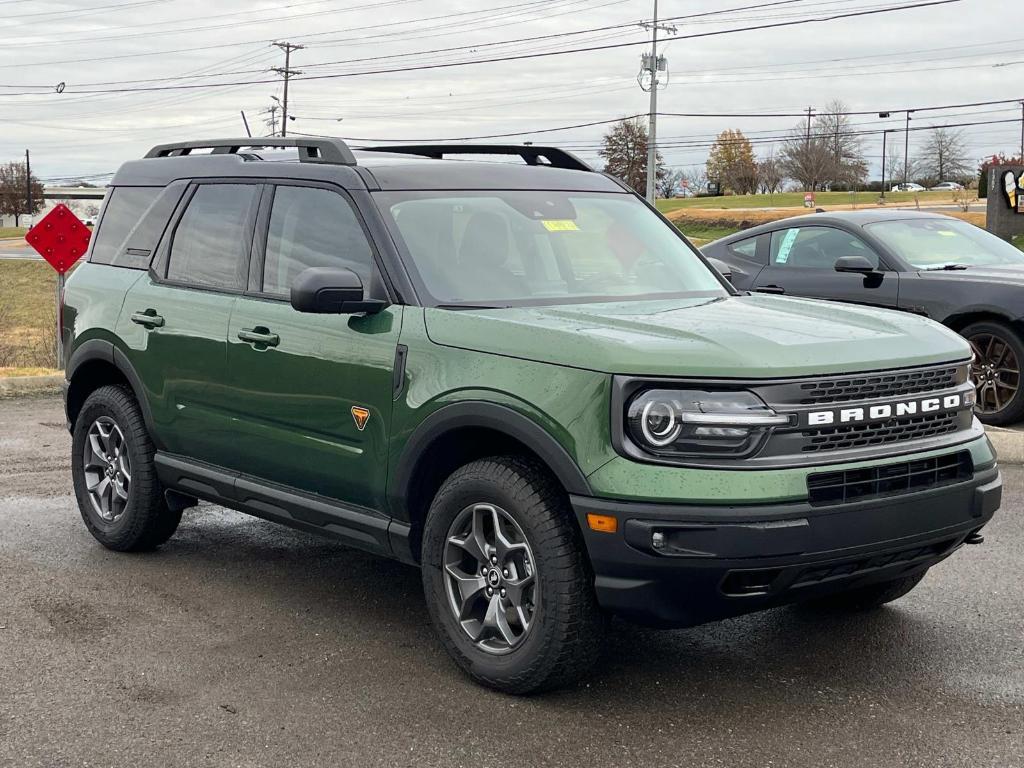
(624, 149)
(696, 179)
(13, 192)
(769, 172)
(943, 157)
(668, 184)
(806, 158)
(848, 167)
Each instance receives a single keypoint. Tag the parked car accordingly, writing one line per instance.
(925, 264)
(907, 187)
(946, 186)
(518, 377)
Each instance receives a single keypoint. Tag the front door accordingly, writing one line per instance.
(313, 393)
(174, 321)
(802, 263)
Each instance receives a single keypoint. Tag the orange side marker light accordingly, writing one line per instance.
(602, 523)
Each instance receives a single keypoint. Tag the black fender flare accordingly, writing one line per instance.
(108, 352)
(479, 413)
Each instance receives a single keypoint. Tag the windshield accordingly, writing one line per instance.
(499, 248)
(941, 243)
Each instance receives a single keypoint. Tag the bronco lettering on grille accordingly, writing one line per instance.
(885, 411)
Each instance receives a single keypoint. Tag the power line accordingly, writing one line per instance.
(520, 57)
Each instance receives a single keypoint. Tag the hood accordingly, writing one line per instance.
(732, 337)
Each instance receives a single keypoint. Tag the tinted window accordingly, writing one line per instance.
(123, 209)
(816, 247)
(746, 249)
(312, 228)
(211, 242)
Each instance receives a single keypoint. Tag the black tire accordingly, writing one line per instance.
(998, 350)
(867, 598)
(565, 633)
(145, 521)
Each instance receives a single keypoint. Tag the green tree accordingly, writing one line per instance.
(14, 195)
(732, 164)
(624, 151)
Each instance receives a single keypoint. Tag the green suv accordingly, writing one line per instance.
(516, 375)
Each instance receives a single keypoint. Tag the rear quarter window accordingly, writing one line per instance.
(124, 208)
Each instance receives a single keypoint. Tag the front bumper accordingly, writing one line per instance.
(721, 561)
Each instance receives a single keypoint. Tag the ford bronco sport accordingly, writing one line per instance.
(516, 375)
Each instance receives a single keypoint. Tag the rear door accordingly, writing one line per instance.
(801, 262)
(175, 318)
(301, 381)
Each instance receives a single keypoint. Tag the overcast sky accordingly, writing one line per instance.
(968, 51)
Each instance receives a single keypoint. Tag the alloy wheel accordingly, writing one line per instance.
(995, 371)
(107, 468)
(490, 578)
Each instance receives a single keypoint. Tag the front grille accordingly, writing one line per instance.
(879, 385)
(851, 485)
(879, 433)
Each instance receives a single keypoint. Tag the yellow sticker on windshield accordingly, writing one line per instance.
(560, 225)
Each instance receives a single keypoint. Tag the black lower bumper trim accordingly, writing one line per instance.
(681, 565)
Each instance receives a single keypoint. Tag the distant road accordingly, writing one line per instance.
(17, 248)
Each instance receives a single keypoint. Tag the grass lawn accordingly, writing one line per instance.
(1019, 241)
(28, 315)
(796, 200)
(12, 232)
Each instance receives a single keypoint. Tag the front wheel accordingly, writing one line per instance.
(998, 355)
(506, 578)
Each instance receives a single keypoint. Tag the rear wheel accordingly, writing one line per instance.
(506, 578)
(998, 354)
(866, 598)
(119, 496)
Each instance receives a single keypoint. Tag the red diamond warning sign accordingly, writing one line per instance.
(60, 238)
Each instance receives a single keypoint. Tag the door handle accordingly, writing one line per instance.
(259, 336)
(770, 289)
(148, 319)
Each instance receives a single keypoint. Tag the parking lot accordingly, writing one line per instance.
(243, 643)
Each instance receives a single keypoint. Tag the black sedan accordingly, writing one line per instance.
(929, 264)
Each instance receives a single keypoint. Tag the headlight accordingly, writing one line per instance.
(672, 423)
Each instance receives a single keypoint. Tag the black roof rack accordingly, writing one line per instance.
(311, 150)
(557, 158)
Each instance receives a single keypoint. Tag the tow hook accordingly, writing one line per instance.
(974, 538)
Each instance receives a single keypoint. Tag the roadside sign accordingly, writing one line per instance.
(809, 200)
(60, 238)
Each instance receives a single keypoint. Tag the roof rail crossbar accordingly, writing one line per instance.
(311, 150)
(557, 158)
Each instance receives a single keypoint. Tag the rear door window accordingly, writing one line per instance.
(746, 249)
(211, 243)
(124, 208)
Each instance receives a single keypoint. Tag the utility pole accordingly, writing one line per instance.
(246, 124)
(28, 184)
(272, 122)
(286, 72)
(1022, 131)
(906, 149)
(653, 64)
(807, 140)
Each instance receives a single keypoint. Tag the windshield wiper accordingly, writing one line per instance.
(946, 267)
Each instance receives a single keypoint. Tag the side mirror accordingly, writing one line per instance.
(331, 291)
(857, 264)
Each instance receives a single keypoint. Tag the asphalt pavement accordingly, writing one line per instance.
(241, 643)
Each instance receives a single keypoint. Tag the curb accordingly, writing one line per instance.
(1009, 444)
(13, 386)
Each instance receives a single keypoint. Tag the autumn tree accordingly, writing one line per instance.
(624, 151)
(732, 164)
(14, 195)
(668, 184)
(944, 157)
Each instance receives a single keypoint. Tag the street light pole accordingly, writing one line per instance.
(885, 135)
(906, 149)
